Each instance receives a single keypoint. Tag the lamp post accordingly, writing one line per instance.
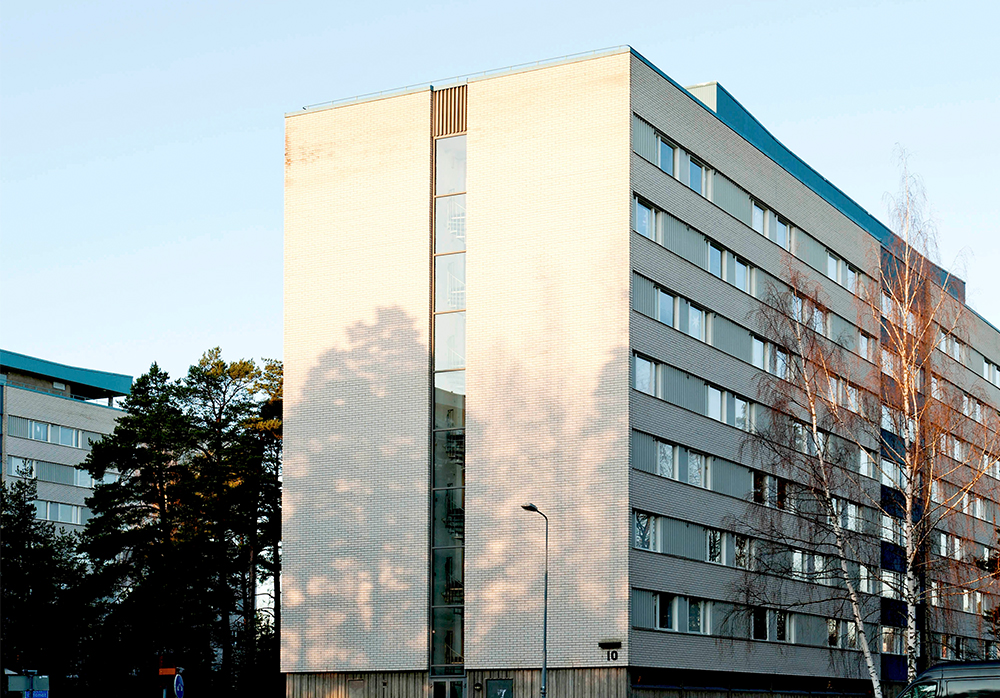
(545, 603)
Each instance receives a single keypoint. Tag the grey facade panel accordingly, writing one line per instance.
(684, 240)
(683, 539)
(842, 332)
(643, 452)
(643, 138)
(731, 338)
(643, 609)
(731, 478)
(810, 251)
(684, 389)
(643, 295)
(731, 198)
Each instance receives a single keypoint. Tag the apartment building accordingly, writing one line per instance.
(541, 285)
(51, 414)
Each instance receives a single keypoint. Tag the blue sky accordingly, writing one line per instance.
(141, 143)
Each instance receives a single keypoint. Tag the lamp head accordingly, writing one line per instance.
(529, 507)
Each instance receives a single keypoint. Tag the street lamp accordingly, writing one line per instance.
(545, 605)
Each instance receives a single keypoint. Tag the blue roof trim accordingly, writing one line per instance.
(111, 384)
(735, 116)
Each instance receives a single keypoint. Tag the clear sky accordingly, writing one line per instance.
(141, 143)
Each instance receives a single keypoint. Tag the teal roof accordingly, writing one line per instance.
(84, 382)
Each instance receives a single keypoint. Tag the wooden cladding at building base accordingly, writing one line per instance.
(449, 111)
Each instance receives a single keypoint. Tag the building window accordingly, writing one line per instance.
(866, 463)
(832, 632)
(714, 546)
(757, 353)
(665, 462)
(743, 552)
(784, 627)
(696, 323)
(666, 612)
(698, 470)
(715, 261)
(866, 580)
(757, 220)
(665, 156)
(697, 178)
(646, 526)
(892, 584)
(892, 640)
(742, 418)
(665, 307)
(450, 165)
(742, 280)
(781, 236)
(698, 620)
(715, 404)
(645, 220)
(645, 376)
(758, 624)
(833, 267)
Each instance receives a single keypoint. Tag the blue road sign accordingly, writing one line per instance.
(178, 686)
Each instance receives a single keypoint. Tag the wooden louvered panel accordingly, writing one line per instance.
(449, 111)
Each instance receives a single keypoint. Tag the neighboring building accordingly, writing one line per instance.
(51, 414)
(615, 231)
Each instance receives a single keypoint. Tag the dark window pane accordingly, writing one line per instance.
(449, 400)
(666, 620)
(449, 224)
(449, 587)
(449, 518)
(759, 622)
(449, 458)
(446, 636)
(450, 164)
(449, 282)
(449, 341)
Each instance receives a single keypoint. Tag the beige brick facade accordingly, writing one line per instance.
(548, 362)
(356, 387)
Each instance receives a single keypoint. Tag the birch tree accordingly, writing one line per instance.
(880, 434)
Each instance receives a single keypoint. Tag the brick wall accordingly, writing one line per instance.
(357, 207)
(548, 277)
